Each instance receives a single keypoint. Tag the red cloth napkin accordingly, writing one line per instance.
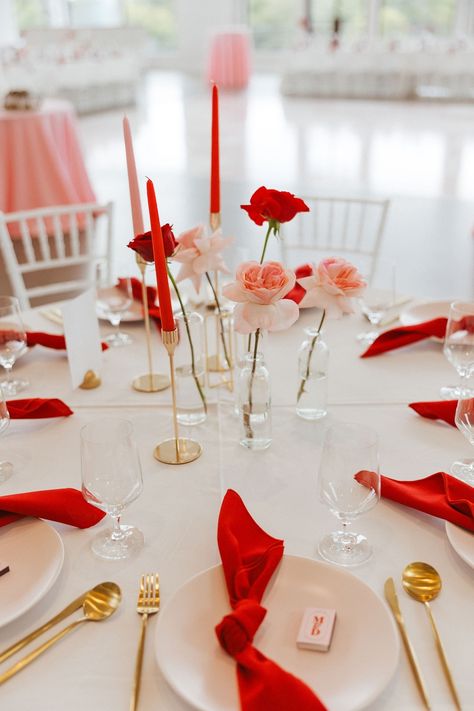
(33, 408)
(297, 292)
(437, 410)
(151, 295)
(404, 335)
(249, 558)
(440, 495)
(61, 505)
(49, 340)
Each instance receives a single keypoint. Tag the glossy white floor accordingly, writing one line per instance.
(420, 155)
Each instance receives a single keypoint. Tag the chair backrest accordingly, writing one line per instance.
(337, 226)
(52, 252)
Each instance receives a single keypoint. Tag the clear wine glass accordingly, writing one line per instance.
(376, 301)
(348, 449)
(12, 343)
(464, 418)
(459, 348)
(112, 303)
(6, 468)
(111, 480)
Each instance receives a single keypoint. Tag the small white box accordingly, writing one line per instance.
(316, 629)
(4, 568)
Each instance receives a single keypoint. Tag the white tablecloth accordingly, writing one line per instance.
(93, 668)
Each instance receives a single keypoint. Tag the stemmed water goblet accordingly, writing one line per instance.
(6, 467)
(347, 450)
(112, 303)
(111, 480)
(12, 343)
(459, 348)
(464, 419)
(376, 302)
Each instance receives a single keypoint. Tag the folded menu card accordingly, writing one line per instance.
(440, 495)
(249, 559)
(61, 505)
(81, 330)
(405, 335)
(33, 408)
(437, 410)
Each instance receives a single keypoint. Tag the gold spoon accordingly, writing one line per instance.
(99, 603)
(423, 582)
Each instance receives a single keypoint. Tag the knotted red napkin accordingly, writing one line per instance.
(437, 410)
(249, 558)
(61, 505)
(404, 335)
(49, 340)
(440, 495)
(37, 407)
(297, 292)
(151, 295)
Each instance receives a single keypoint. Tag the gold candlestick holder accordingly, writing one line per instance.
(177, 450)
(220, 361)
(150, 382)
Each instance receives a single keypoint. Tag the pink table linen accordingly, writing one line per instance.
(42, 163)
(229, 61)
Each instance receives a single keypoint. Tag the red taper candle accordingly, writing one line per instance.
(215, 168)
(161, 268)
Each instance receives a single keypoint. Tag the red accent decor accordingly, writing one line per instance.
(161, 268)
(215, 162)
(61, 505)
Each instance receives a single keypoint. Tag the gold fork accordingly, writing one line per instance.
(148, 604)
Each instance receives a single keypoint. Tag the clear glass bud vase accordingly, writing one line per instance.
(255, 403)
(311, 399)
(189, 362)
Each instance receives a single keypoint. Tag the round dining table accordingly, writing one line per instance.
(177, 512)
(42, 163)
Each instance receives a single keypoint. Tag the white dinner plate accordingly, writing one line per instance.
(462, 541)
(424, 312)
(35, 553)
(361, 662)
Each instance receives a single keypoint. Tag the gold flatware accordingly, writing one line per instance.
(99, 603)
(392, 599)
(423, 583)
(148, 603)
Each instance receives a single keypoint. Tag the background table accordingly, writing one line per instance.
(179, 507)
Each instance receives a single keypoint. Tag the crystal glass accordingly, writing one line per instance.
(378, 298)
(255, 403)
(459, 348)
(111, 480)
(6, 467)
(189, 362)
(348, 449)
(464, 418)
(12, 343)
(112, 304)
(312, 392)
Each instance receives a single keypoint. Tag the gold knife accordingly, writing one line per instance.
(391, 597)
(72, 607)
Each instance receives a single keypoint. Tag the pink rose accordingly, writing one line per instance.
(331, 286)
(259, 290)
(199, 253)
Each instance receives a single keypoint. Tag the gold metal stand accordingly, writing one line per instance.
(177, 450)
(150, 382)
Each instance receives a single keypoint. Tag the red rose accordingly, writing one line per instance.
(144, 246)
(273, 206)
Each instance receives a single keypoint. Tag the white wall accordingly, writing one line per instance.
(8, 26)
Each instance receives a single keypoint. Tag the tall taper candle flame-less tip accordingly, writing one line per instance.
(177, 450)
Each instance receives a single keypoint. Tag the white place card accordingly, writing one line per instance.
(81, 331)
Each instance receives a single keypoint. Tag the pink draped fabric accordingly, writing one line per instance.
(229, 61)
(42, 163)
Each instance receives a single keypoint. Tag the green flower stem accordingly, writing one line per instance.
(310, 355)
(221, 325)
(272, 225)
(191, 347)
(247, 414)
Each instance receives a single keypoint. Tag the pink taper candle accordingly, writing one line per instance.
(137, 216)
(161, 268)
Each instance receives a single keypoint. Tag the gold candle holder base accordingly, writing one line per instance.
(181, 451)
(91, 380)
(150, 383)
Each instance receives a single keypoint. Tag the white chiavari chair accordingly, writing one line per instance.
(52, 252)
